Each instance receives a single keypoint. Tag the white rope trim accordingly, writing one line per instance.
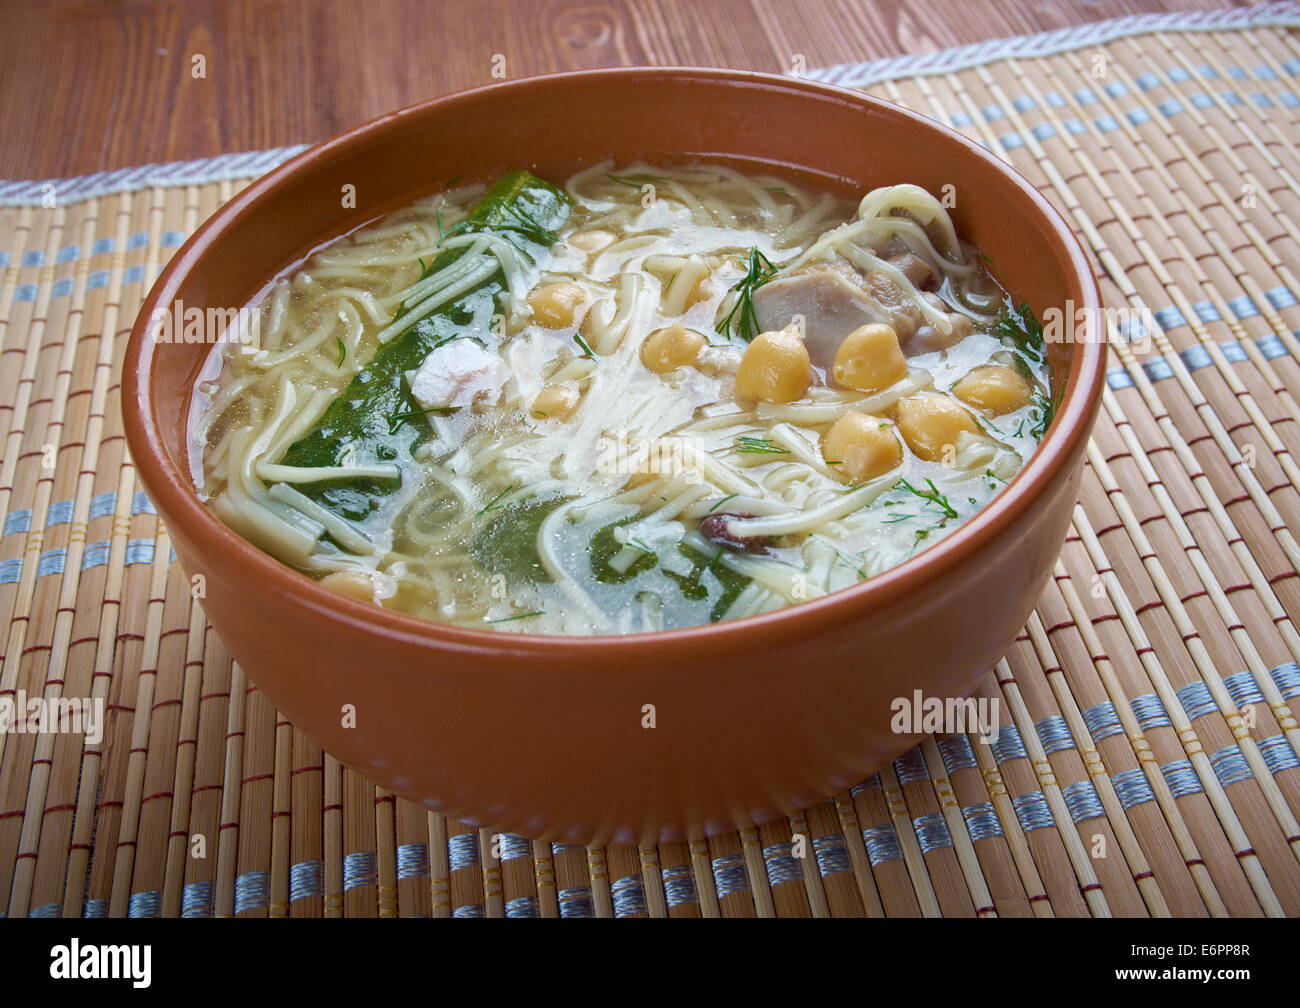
(1052, 42)
(249, 164)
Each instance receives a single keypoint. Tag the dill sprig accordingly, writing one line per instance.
(1023, 329)
(742, 319)
(396, 420)
(493, 504)
(1026, 332)
(1043, 411)
(846, 560)
(721, 502)
(933, 496)
(759, 446)
(586, 350)
(511, 619)
(343, 349)
(635, 181)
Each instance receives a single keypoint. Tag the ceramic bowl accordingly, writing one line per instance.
(551, 736)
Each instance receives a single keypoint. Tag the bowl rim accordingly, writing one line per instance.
(178, 500)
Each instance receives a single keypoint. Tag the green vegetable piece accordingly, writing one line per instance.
(507, 544)
(709, 580)
(359, 426)
(603, 549)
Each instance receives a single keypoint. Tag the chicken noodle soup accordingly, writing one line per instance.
(652, 398)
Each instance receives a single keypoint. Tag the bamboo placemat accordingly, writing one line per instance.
(1149, 766)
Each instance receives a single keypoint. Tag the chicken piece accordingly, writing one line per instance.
(830, 298)
(458, 373)
(904, 316)
(835, 299)
(916, 269)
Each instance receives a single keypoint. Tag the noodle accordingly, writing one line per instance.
(631, 504)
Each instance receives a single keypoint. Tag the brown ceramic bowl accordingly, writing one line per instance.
(543, 735)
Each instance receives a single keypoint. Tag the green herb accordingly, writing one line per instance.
(640, 544)
(511, 619)
(492, 505)
(1023, 329)
(396, 420)
(845, 558)
(721, 502)
(452, 181)
(357, 423)
(635, 181)
(723, 585)
(509, 218)
(742, 319)
(1046, 411)
(933, 496)
(343, 350)
(586, 350)
(604, 547)
(507, 544)
(759, 446)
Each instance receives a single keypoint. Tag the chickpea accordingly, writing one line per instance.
(993, 388)
(353, 583)
(556, 305)
(775, 367)
(590, 241)
(931, 425)
(555, 402)
(869, 359)
(671, 347)
(861, 447)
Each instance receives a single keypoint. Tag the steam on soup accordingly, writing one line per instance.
(653, 398)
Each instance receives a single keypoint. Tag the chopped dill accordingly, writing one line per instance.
(635, 181)
(759, 446)
(742, 319)
(343, 349)
(845, 558)
(586, 350)
(933, 496)
(721, 502)
(492, 504)
(396, 420)
(639, 544)
(1024, 330)
(511, 619)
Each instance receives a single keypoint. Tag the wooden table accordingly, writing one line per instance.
(90, 86)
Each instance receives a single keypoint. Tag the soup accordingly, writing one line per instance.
(655, 397)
